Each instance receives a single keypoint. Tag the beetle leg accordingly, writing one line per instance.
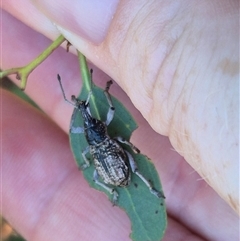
(134, 169)
(79, 130)
(111, 109)
(89, 96)
(75, 130)
(124, 141)
(87, 163)
(110, 190)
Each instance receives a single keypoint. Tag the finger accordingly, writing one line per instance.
(170, 166)
(165, 85)
(28, 13)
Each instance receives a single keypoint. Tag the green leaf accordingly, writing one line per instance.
(12, 87)
(146, 212)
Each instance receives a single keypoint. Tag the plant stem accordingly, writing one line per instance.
(23, 72)
(86, 78)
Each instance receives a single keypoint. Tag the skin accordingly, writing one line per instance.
(178, 66)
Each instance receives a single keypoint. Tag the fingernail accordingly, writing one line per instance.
(88, 19)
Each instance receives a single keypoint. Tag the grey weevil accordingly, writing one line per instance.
(112, 163)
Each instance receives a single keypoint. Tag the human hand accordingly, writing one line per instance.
(179, 67)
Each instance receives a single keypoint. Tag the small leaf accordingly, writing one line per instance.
(146, 212)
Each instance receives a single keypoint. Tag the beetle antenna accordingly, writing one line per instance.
(64, 96)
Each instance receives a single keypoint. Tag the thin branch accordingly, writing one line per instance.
(23, 72)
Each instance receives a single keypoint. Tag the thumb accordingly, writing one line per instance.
(178, 76)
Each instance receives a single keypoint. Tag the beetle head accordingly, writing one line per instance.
(95, 130)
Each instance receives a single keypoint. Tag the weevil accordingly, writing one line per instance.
(113, 164)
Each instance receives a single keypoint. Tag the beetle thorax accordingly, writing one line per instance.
(95, 132)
